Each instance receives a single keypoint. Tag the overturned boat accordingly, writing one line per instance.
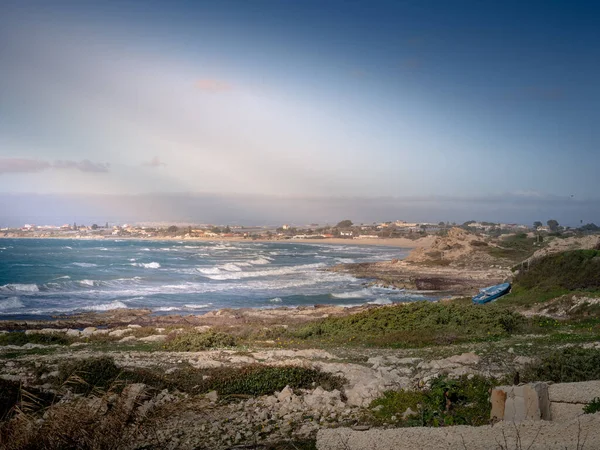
(491, 293)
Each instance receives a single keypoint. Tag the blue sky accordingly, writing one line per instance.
(404, 99)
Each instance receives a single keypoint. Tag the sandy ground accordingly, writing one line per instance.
(386, 242)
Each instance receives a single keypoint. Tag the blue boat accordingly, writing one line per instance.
(488, 294)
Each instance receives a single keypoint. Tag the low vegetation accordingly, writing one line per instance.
(567, 365)
(20, 338)
(573, 270)
(446, 402)
(416, 324)
(93, 374)
(592, 407)
(195, 341)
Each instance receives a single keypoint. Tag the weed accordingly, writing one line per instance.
(194, 341)
(567, 365)
(592, 407)
(20, 338)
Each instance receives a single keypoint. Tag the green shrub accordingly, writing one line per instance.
(447, 402)
(592, 407)
(20, 338)
(572, 270)
(193, 341)
(425, 321)
(567, 365)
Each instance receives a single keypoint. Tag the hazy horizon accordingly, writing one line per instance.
(53, 209)
(271, 111)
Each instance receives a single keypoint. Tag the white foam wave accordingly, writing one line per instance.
(87, 282)
(381, 301)
(276, 300)
(167, 308)
(150, 265)
(345, 260)
(260, 261)
(265, 273)
(11, 303)
(67, 247)
(209, 270)
(193, 306)
(107, 306)
(353, 294)
(20, 288)
(230, 267)
(84, 264)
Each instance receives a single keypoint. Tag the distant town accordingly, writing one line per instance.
(345, 229)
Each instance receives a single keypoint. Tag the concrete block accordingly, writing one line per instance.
(562, 412)
(524, 402)
(583, 392)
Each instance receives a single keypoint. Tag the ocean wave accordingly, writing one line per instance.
(353, 294)
(66, 247)
(151, 265)
(265, 273)
(19, 288)
(87, 282)
(194, 306)
(230, 267)
(116, 304)
(167, 308)
(261, 261)
(11, 303)
(381, 301)
(276, 300)
(209, 270)
(345, 260)
(84, 264)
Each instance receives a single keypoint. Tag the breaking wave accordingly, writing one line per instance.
(353, 294)
(150, 265)
(107, 306)
(11, 303)
(84, 264)
(19, 288)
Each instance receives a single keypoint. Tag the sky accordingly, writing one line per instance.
(426, 108)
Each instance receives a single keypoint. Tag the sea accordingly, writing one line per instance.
(42, 278)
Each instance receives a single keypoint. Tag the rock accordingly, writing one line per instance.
(202, 328)
(120, 333)
(467, 359)
(88, 331)
(285, 395)
(154, 338)
(523, 360)
(101, 332)
(212, 396)
(132, 393)
(409, 412)
(128, 339)
(133, 325)
(73, 333)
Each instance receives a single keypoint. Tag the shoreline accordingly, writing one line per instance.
(384, 242)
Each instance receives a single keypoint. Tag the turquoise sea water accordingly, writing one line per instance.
(41, 277)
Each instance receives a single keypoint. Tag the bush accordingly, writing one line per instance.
(424, 320)
(86, 374)
(567, 365)
(592, 407)
(447, 402)
(20, 338)
(193, 342)
(572, 270)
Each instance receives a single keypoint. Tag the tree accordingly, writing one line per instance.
(553, 225)
(172, 229)
(227, 229)
(344, 224)
(94, 226)
(442, 224)
(537, 224)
